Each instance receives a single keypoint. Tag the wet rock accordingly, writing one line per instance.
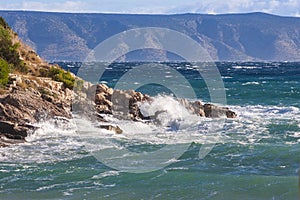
(195, 107)
(124, 104)
(214, 111)
(13, 131)
(22, 107)
(5, 142)
(113, 128)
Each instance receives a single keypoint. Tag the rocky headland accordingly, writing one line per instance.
(33, 91)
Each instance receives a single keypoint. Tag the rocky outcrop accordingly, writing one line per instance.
(30, 100)
(124, 104)
(113, 128)
(213, 111)
(27, 107)
(46, 99)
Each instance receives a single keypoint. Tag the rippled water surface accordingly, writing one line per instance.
(256, 155)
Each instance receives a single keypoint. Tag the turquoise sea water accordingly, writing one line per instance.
(257, 157)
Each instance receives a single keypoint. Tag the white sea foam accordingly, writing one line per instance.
(54, 140)
(60, 139)
(106, 174)
(226, 77)
(253, 123)
(246, 67)
(171, 111)
(251, 83)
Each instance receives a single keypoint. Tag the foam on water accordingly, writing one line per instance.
(55, 140)
(61, 139)
(171, 111)
(256, 123)
(246, 67)
(251, 83)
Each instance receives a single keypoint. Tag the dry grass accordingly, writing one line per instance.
(3, 91)
(23, 85)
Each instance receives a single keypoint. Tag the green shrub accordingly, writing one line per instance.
(3, 23)
(4, 71)
(8, 50)
(59, 75)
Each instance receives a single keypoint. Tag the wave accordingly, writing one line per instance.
(268, 112)
(246, 67)
(251, 83)
(55, 140)
(60, 139)
(259, 124)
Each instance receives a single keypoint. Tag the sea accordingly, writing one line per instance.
(254, 156)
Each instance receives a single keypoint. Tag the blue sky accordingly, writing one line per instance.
(278, 7)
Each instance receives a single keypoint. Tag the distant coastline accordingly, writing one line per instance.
(226, 37)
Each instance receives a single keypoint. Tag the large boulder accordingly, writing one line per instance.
(22, 108)
(214, 111)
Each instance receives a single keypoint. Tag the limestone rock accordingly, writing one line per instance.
(22, 107)
(113, 128)
(216, 111)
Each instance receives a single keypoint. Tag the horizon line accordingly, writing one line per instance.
(164, 14)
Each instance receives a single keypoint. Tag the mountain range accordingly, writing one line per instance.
(227, 37)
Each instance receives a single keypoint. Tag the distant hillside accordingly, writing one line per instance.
(232, 37)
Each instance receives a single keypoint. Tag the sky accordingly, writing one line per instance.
(277, 7)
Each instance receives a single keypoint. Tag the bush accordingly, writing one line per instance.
(59, 75)
(8, 50)
(4, 72)
(3, 23)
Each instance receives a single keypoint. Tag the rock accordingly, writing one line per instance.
(230, 114)
(195, 107)
(125, 104)
(110, 91)
(103, 109)
(198, 108)
(4, 141)
(91, 92)
(20, 108)
(101, 88)
(100, 98)
(26, 107)
(13, 131)
(120, 104)
(216, 111)
(113, 128)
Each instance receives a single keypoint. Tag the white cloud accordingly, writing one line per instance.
(278, 7)
(66, 6)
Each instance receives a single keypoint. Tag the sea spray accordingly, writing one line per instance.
(166, 109)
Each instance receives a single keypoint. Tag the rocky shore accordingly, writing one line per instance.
(23, 106)
(45, 99)
(36, 91)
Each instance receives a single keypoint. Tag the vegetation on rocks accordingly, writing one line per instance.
(9, 56)
(4, 71)
(59, 75)
(16, 57)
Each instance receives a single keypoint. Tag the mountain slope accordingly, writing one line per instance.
(254, 36)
